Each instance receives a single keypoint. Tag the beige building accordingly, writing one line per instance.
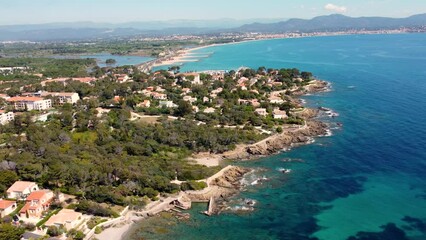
(261, 111)
(278, 114)
(21, 189)
(6, 207)
(195, 77)
(63, 97)
(30, 103)
(209, 110)
(36, 203)
(67, 218)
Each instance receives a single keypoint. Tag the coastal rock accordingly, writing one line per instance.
(313, 87)
(279, 142)
(220, 188)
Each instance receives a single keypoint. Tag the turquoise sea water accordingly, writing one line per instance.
(366, 181)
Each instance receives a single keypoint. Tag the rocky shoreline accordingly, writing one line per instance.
(220, 189)
(279, 142)
(291, 136)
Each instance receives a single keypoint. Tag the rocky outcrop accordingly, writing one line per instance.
(313, 87)
(282, 141)
(230, 179)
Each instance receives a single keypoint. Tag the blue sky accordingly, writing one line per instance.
(115, 11)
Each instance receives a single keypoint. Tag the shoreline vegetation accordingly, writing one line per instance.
(226, 183)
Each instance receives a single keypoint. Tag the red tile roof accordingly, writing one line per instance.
(36, 195)
(24, 99)
(6, 203)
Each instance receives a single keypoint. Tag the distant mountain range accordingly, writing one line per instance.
(335, 22)
(89, 30)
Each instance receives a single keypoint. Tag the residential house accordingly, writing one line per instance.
(242, 86)
(215, 92)
(146, 92)
(193, 77)
(121, 78)
(6, 207)
(159, 96)
(21, 189)
(276, 99)
(261, 112)
(195, 109)
(36, 203)
(190, 99)
(186, 90)
(30, 103)
(6, 117)
(242, 80)
(67, 218)
(160, 89)
(144, 104)
(209, 110)
(167, 104)
(278, 114)
(255, 103)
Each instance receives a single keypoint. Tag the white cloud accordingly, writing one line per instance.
(335, 8)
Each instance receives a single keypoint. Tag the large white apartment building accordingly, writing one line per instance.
(6, 117)
(63, 97)
(30, 103)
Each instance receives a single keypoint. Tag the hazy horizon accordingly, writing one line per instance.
(23, 12)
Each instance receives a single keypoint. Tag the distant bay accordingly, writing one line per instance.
(366, 181)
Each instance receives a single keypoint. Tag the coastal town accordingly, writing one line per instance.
(239, 114)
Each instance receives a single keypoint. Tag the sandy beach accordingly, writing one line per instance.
(183, 56)
(119, 230)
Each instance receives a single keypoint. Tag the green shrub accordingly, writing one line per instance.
(193, 185)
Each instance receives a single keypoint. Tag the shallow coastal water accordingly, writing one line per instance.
(366, 181)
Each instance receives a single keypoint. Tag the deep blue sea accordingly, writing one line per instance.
(367, 180)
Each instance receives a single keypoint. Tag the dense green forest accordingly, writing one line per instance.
(50, 67)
